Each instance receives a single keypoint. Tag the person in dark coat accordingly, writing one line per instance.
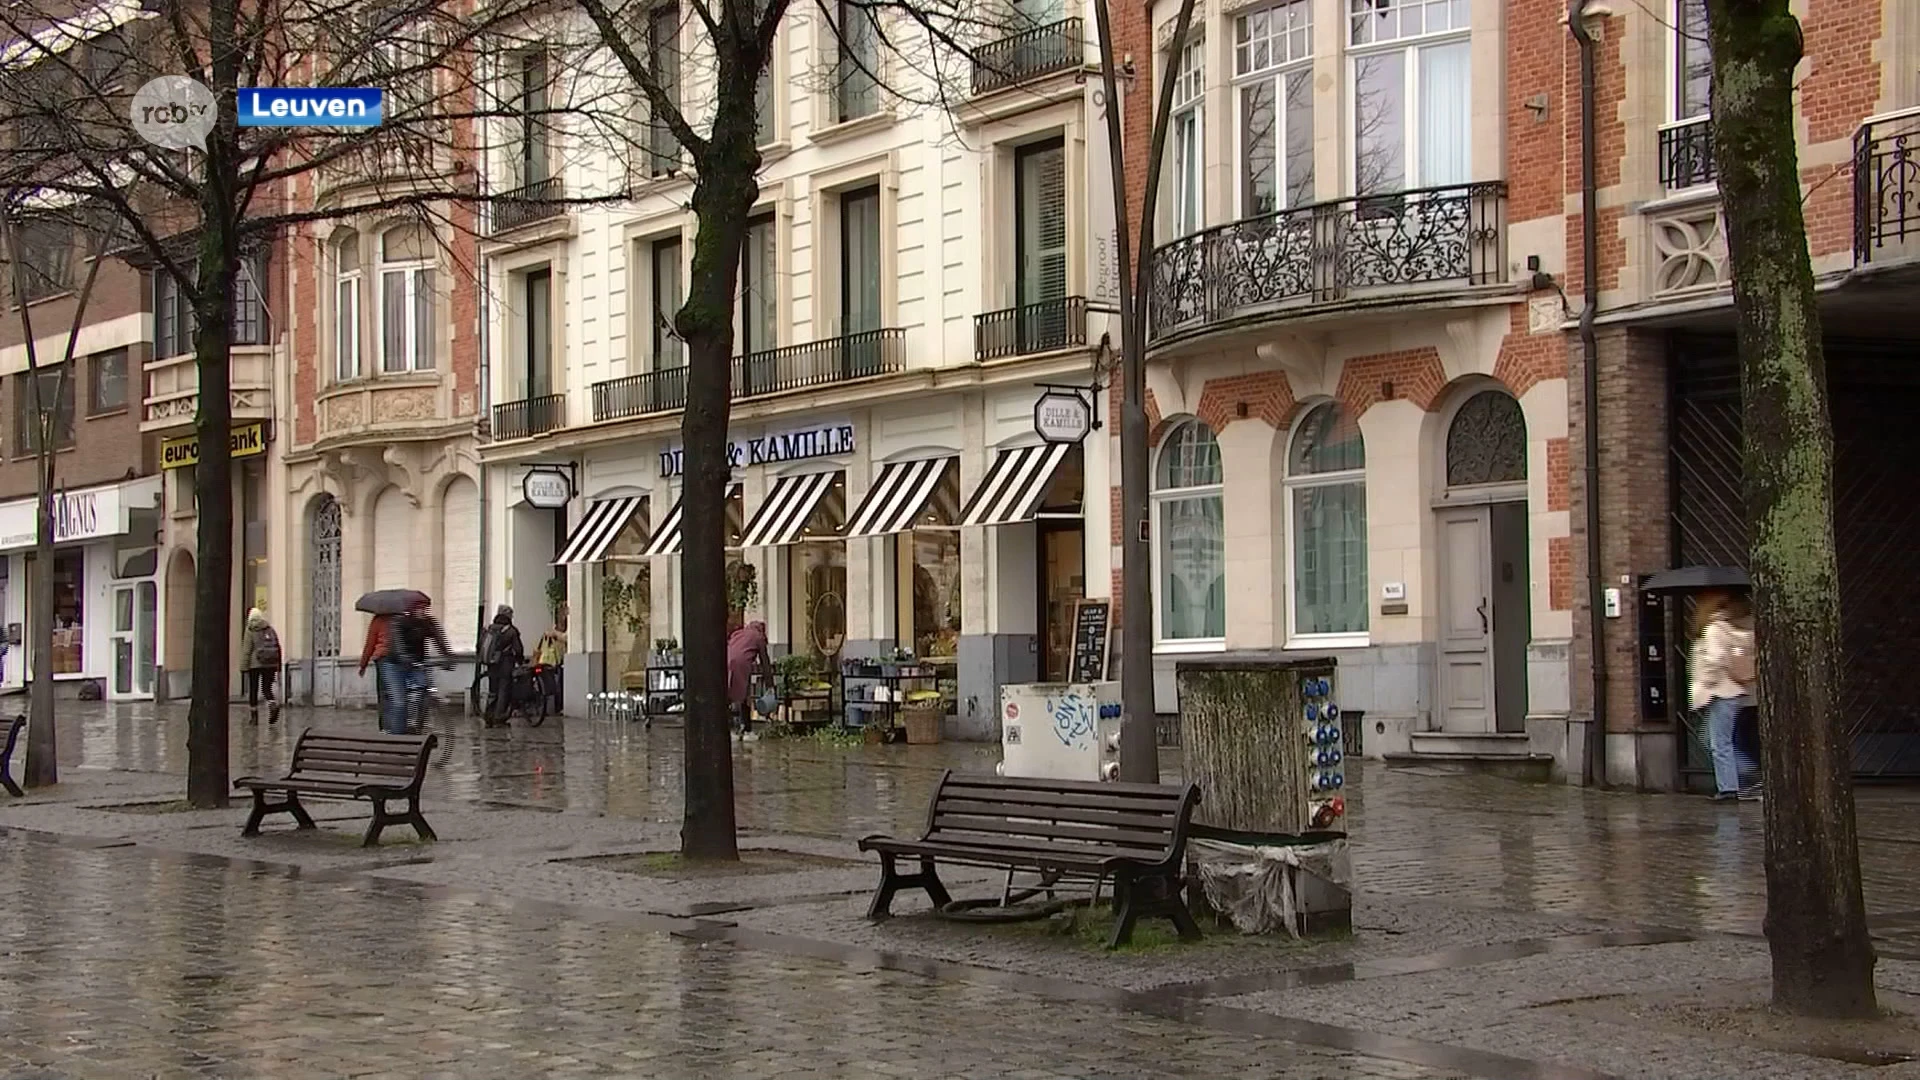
(504, 651)
(260, 662)
(407, 640)
(746, 648)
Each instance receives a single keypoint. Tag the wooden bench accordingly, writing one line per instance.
(1133, 834)
(346, 765)
(14, 728)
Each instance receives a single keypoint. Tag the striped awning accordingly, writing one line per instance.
(791, 502)
(596, 532)
(898, 496)
(666, 539)
(1014, 485)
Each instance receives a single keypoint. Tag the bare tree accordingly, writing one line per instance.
(193, 215)
(1816, 921)
(38, 267)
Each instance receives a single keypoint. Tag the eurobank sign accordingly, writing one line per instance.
(248, 440)
(309, 106)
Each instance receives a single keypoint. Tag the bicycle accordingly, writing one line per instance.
(430, 713)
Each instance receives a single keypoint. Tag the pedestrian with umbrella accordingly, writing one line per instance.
(389, 673)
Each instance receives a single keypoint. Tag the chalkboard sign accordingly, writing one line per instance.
(1090, 618)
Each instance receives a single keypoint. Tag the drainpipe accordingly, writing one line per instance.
(1595, 773)
(483, 394)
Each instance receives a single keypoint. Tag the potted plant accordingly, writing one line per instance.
(556, 595)
(743, 591)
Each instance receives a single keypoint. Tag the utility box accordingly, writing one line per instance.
(1060, 731)
(1264, 741)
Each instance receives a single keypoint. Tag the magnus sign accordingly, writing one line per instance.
(829, 441)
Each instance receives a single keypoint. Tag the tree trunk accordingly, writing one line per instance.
(1816, 921)
(43, 768)
(722, 200)
(207, 782)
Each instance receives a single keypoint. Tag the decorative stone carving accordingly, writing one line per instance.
(403, 404)
(1689, 250)
(344, 412)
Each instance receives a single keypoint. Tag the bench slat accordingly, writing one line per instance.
(1046, 857)
(326, 763)
(960, 781)
(1130, 820)
(1002, 842)
(1131, 804)
(1131, 839)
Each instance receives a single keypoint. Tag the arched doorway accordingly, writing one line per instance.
(1485, 599)
(323, 591)
(179, 652)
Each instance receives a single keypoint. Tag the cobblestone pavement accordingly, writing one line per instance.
(124, 965)
(1481, 904)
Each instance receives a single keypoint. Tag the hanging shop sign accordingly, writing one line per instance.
(1062, 416)
(78, 516)
(247, 440)
(546, 489)
(830, 441)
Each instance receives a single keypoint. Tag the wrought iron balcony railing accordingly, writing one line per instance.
(528, 203)
(774, 371)
(1327, 253)
(1686, 154)
(1886, 187)
(528, 417)
(1028, 54)
(1030, 328)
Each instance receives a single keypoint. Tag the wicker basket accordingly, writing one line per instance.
(923, 725)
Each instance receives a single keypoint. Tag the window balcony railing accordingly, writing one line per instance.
(1028, 54)
(1045, 326)
(1686, 154)
(528, 417)
(528, 203)
(774, 371)
(1344, 249)
(1886, 188)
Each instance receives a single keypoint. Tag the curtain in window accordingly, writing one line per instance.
(860, 258)
(859, 88)
(423, 348)
(539, 370)
(1187, 164)
(760, 289)
(668, 296)
(346, 330)
(1330, 559)
(1193, 568)
(1446, 123)
(393, 320)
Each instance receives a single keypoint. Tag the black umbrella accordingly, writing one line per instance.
(1695, 579)
(390, 601)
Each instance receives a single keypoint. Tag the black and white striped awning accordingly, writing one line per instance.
(781, 518)
(898, 496)
(666, 540)
(1014, 485)
(597, 531)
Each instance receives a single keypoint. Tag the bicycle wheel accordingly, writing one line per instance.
(537, 711)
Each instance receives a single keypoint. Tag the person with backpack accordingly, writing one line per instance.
(501, 653)
(408, 636)
(1722, 669)
(260, 664)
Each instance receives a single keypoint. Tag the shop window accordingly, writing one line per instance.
(626, 605)
(927, 559)
(1189, 530)
(817, 576)
(1327, 523)
(69, 593)
(56, 397)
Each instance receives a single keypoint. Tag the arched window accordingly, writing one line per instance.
(1326, 484)
(406, 299)
(346, 306)
(1487, 441)
(1189, 536)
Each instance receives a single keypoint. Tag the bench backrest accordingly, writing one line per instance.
(400, 760)
(1146, 822)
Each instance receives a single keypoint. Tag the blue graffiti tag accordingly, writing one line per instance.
(1072, 719)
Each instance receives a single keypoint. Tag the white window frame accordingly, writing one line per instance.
(411, 269)
(1276, 74)
(1157, 496)
(1674, 83)
(346, 291)
(1189, 102)
(1290, 483)
(1410, 48)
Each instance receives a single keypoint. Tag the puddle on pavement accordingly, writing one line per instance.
(668, 866)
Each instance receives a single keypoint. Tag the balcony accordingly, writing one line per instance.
(383, 157)
(1344, 250)
(775, 371)
(1686, 154)
(1046, 326)
(1886, 188)
(528, 417)
(1028, 55)
(172, 398)
(527, 204)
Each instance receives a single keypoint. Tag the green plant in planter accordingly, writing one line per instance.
(743, 586)
(556, 594)
(620, 601)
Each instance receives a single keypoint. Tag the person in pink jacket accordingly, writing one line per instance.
(746, 647)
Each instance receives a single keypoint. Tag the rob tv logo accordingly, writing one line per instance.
(300, 106)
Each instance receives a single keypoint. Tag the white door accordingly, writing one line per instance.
(1466, 623)
(136, 616)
